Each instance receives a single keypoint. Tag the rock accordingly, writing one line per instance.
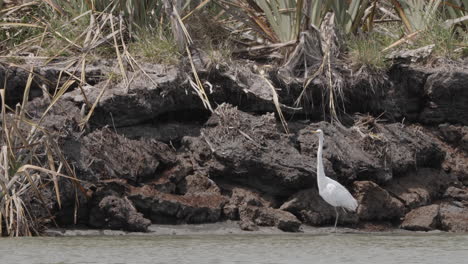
(311, 209)
(46, 77)
(343, 151)
(447, 94)
(163, 184)
(240, 148)
(376, 203)
(248, 226)
(266, 216)
(123, 105)
(413, 55)
(409, 149)
(107, 155)
(198, 184)
(164, 208)
(164, 90)
(239, 197)
(424, 218)
(450, 133)
(252, 209)
(377, 155)
(419, 188)
(457, 136)
(231, 212)
(453, 217)
(458, 194)
(455, 163)
(117, 213)
(428, 95)
(405, 97)
(172, 131)
(62, 120)
(242, 195)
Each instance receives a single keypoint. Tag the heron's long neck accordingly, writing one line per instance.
(320, 171)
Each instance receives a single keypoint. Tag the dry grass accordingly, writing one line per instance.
(154, 48)
(30, 161)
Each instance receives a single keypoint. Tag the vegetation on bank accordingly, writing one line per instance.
(134, 31)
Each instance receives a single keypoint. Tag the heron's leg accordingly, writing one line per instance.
(336, 218)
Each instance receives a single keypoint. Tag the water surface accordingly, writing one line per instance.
(284, 248)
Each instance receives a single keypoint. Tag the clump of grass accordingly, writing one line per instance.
(444, 39)
(366, 51)
(220, 54)
(15, 34)
(155, 48)
(114, 77)
(30, 163)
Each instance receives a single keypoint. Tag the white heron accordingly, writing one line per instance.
(330, 190)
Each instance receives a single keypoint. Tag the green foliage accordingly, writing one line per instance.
(281, 15)
(366, 50)
(140, 13)
(286, 16)
(348, 14)
(444, 39)
(420, 13)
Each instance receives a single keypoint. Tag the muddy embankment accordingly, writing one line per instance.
(152, 153)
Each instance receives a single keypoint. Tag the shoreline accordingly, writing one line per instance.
(222, 228)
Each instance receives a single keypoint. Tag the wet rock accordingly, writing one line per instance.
(311, 209)
(118, 213)
(447, 94)
(248, 226)
(266, 216)
(163, 208)
(245, 149)
(453, 217)
(374, 152)
(424, 218)
(419, 188)
(376, 203)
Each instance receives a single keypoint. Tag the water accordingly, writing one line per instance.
(204, 249)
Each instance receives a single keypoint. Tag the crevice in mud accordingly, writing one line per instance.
(169, 127)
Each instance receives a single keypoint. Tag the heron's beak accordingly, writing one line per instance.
(314, 131)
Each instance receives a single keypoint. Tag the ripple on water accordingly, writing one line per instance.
(290, 248)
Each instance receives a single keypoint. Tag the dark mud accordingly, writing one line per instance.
(152, 153)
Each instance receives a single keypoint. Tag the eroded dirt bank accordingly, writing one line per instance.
(152, 153)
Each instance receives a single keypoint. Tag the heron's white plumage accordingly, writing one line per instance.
(330, 190)
(337, 196)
